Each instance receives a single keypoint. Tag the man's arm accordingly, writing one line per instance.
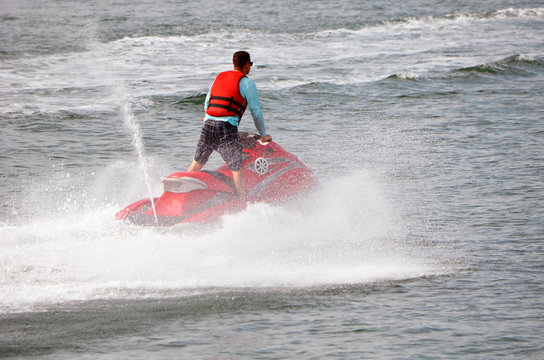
(207, 102)
(248, 89)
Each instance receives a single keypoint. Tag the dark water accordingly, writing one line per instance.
(423, 121)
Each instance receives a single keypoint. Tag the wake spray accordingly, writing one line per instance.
(133, 126)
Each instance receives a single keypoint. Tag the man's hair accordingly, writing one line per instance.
(240, 58)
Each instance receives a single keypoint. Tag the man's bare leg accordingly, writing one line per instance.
(195, 166)
(238, 178)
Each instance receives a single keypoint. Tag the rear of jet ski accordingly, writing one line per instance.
(187, 197)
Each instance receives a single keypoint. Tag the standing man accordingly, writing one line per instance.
(227, 99)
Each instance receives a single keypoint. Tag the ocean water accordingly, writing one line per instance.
(423, 120)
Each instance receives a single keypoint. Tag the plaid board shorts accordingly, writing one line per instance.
(222, 137)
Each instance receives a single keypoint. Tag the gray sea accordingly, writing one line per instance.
(423, 120)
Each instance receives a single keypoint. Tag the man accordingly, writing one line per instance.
(227, 99)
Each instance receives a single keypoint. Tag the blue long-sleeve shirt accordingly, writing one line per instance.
(248, 90)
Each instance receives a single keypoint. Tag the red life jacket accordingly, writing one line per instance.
(225, 97)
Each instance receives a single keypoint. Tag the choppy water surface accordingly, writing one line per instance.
(423, 122)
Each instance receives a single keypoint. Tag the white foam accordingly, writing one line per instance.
(345, 233)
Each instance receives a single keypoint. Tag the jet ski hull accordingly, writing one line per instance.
(271, 174)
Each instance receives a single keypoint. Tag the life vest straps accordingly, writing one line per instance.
(225, 97)
(238, 111)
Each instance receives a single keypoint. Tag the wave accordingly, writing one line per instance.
(403, 77)
(182, 101)
(167, 44)
(432, 84)
(404, 49)
(512, 65)
(515, 65)
(494, 14)
(410, 21)
(517, 13)
(191, 100)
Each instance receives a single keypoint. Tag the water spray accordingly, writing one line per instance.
(137, 141)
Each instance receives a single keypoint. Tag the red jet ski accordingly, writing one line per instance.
(271, 174)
